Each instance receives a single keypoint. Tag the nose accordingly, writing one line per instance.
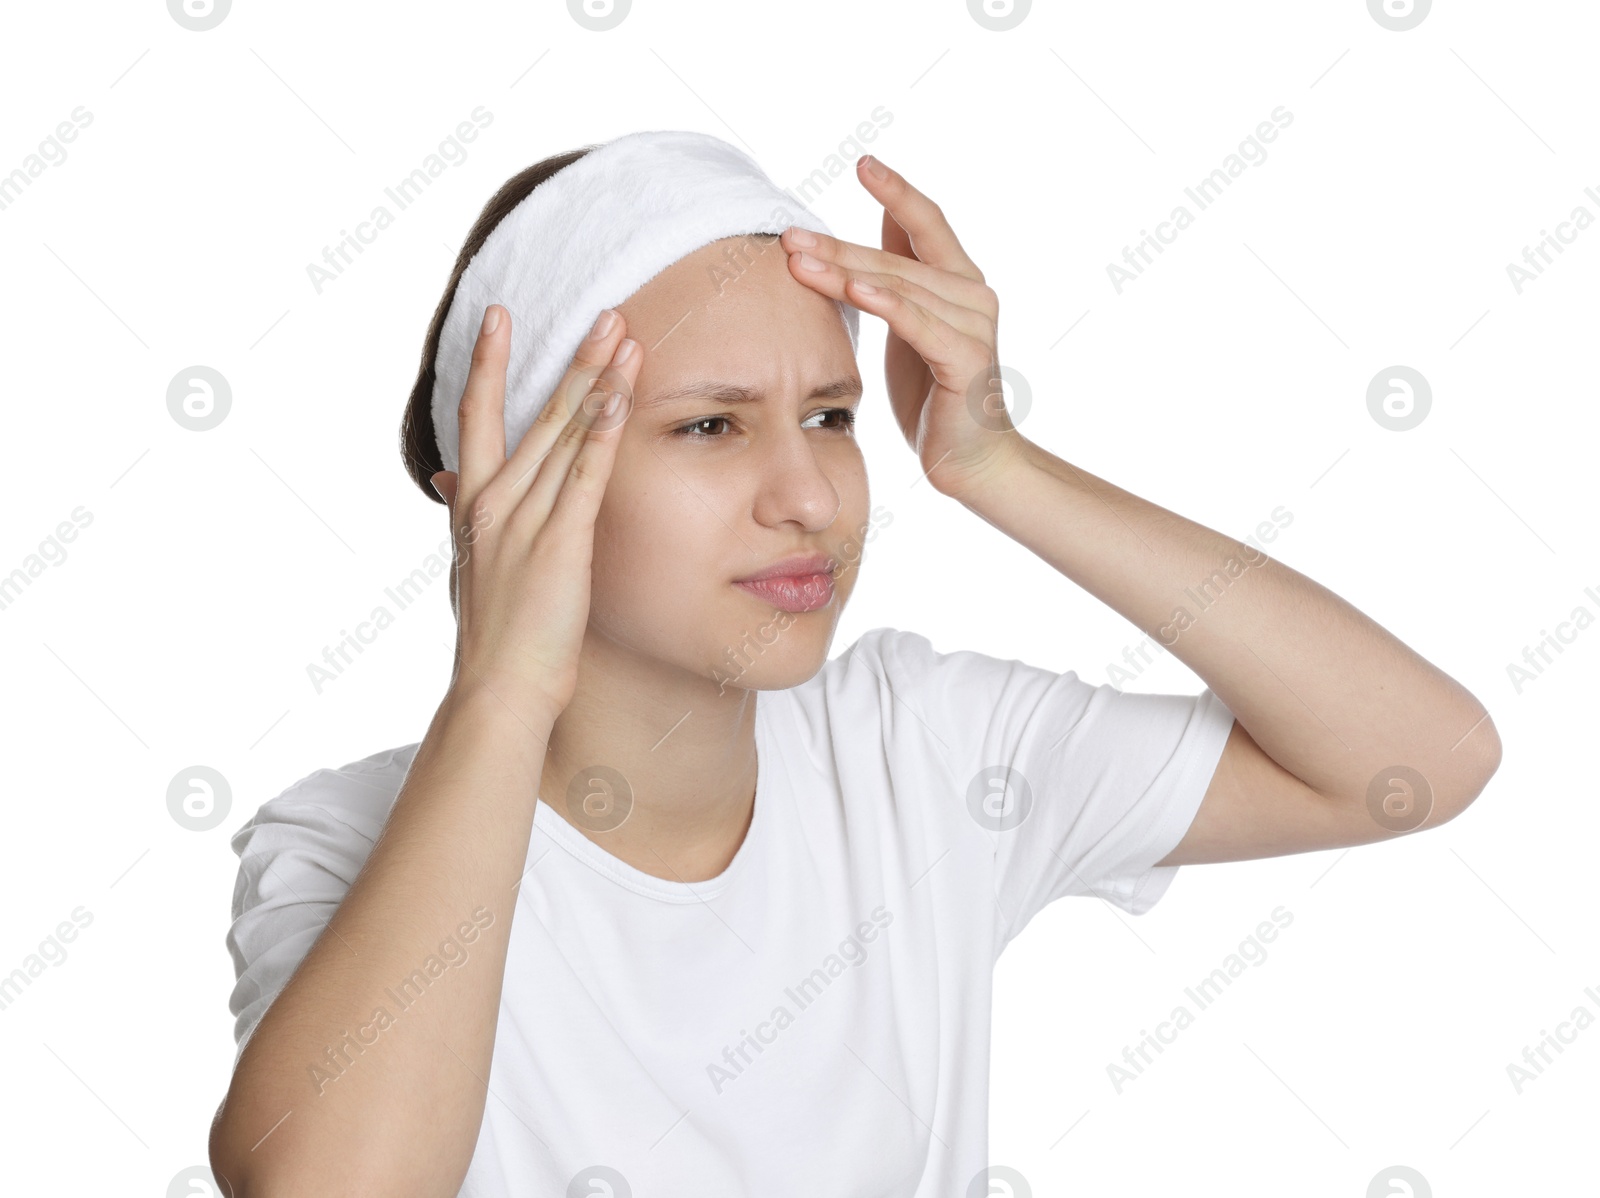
(794, 485)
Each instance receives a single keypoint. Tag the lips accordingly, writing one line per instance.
(795, 584)
(798, 566)
(806, 592)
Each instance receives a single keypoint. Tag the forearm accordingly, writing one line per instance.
(1327, 693)
(328, 1097)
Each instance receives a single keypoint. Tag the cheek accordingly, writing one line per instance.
(627, 544)
(652, 559)
(855, 530)
(855, 507)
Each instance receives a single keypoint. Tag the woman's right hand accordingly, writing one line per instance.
(523, 526)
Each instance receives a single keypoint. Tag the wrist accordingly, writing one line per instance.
(471, 704)
(979, 485)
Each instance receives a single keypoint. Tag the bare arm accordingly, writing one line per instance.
(1344, 734)
(327, 1098)
(351, 1084)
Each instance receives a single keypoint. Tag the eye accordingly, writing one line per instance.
(846, 422)
(847, 417)
(688, 430)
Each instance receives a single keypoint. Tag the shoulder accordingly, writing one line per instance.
(345, 802)
(895, 655)
(896, 688)
(894, 667)
(856, 687)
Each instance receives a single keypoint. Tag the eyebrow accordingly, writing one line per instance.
(848, 387)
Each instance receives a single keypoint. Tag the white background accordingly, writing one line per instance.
(1230, 379)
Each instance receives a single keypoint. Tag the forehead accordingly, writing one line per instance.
(733, 302)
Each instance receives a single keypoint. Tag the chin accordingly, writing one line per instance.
(768, 649)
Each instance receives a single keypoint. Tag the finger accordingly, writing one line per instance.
(953, 356)
(893, 237)
(976, 319)
(544, 480)
(840, 285)
(880, 266)
(481, 414)
(570, 498)
(930, 235)
(591, 358)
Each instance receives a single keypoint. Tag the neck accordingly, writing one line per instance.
(652, 764)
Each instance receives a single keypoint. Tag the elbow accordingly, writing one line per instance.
(1472, 780)
(242, 1172)
(1491, 751)
(1486, 753)
(237, 1173)
(226, 1165)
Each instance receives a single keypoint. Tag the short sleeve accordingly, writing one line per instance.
(298, 856)
(1080, 788)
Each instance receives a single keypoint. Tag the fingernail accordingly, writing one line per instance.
(801, 237)
(602, 326)
(625, 350)
(491, 319)
(807, 262)
(874, 166)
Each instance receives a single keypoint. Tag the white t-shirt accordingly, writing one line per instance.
(815, 1019)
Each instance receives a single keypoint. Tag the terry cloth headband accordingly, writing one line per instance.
(586, 239)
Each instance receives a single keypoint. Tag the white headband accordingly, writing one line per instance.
(586, 239)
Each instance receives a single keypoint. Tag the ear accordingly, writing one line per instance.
(444, 482)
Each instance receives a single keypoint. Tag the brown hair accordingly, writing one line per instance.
(419, 446)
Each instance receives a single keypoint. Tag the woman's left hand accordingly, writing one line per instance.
(940, 362)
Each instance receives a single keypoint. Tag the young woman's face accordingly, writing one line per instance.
(706, 491)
